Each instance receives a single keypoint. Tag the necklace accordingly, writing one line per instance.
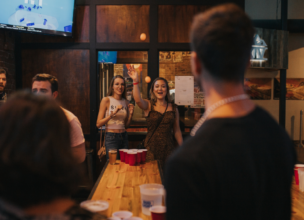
(162, 105)
(215, 106)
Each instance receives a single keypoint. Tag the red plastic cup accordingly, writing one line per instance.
(144, 154)
(296, 175)
(297, 166)
(122, 155)
(126, 156)
(158, 212)
(139, 157)
(132, 158)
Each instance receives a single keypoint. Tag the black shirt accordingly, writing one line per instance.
(234, 168)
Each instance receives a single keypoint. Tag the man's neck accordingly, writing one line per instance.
(215, 92)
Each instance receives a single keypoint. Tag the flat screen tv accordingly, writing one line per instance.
(53, 17)
(107, 57)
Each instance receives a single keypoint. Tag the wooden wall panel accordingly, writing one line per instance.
(71, 67)
(174, 22)
(81, 30)
(124, 23)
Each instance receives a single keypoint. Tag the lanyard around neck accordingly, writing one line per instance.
(215, 106)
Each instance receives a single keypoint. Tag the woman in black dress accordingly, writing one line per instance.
(162, 118)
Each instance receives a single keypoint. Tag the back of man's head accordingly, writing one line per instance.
(222, 38)
(47, 77)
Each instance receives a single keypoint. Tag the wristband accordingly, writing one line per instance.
(135, 83)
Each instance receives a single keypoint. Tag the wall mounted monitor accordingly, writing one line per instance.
(107, 57)
(53, 17)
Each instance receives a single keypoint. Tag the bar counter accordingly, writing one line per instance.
(119, 185)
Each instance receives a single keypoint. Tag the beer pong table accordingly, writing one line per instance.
(297, 203)
(119, 185)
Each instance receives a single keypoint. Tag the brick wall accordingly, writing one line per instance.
(7, 58)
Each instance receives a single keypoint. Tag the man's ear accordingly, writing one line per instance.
(55, 94)
(196, 66)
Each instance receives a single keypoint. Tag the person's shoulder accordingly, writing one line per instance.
(262, 117)
(70, 116)
(193, 149)
(106, 99)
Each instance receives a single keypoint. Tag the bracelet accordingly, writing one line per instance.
(135, 83)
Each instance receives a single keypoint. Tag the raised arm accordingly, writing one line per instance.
(101, 119)
(143, 104)
(176, 129)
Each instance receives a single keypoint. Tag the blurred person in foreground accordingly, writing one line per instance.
(3, 95)
(239, 162)
(37, 168)
(47, 84)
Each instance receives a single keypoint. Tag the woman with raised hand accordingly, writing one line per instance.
(116, 113)
(162, 118)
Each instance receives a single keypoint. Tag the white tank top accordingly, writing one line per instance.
(117, 122)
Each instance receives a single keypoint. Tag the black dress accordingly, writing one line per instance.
(161, 144)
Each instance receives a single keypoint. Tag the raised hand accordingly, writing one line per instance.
(133, 73)
(118, 108)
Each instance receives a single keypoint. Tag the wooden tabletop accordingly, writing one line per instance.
(297, 203)
(119, 185)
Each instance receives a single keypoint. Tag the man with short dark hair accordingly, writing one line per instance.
(3, 95)
(48, 85)
(238, 164)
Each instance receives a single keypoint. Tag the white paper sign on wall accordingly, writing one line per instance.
(184, 90)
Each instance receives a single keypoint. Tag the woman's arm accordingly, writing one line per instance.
(130, 111)
(143, 104)
(101, 119)
(176, 129)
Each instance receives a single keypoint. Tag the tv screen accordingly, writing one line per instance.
(39, 16)
(107, 57)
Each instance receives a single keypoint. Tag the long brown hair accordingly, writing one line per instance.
(110, 92)
(152, 95)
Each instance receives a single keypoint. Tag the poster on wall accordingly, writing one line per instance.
(184, 87)
(199, 99)
(258, 88)
(177, 57)
(294, 89)
(165, 56)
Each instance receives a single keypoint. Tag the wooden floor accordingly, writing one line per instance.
(297, 203)
(119, 185)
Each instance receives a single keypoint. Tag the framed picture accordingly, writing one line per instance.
(258, 88)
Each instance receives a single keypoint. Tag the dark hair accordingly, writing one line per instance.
(2, 71)
(47, 77)
(222, 38)
(152, 95)
(110, 92)
(36, 162)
